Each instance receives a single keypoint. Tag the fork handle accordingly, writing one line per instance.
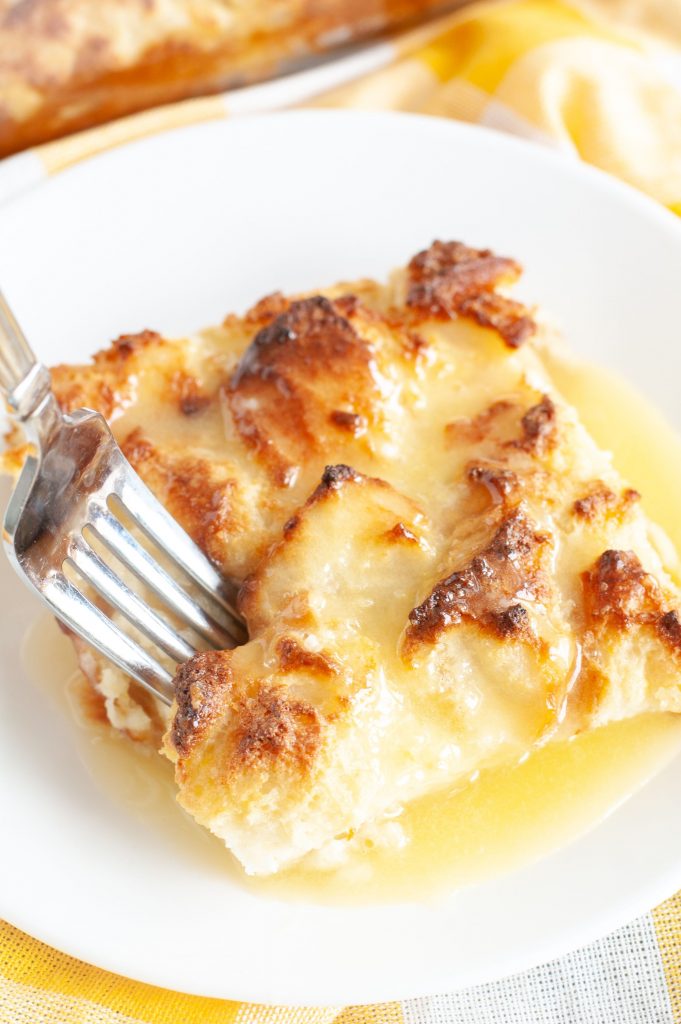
(24, 382)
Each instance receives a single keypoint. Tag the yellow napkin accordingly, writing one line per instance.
(601, 81)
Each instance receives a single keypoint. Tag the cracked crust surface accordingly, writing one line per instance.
(437, 566)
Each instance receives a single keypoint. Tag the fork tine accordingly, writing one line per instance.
(95, 628)
(160, 527)
(121, 542)
(93, 569)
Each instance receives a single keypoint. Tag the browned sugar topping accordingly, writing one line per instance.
(539, 428)
(295, 658)
(269, 307)
(106, 384)
(292, 384)
(513, 623)
(188, 394)
(270, 726)
(266, 724)
(334, 477)
(618, 588)
(669, 627)
(488, 590)
(349, 305)
(620, 594)
(127, 344)
(200, 685)
(454, 270)
(508, 317)
(351, 422)
(600, 502)
(451, 279)
(401, 534)
(501, 483)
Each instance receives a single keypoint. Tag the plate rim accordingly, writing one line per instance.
(661, 886)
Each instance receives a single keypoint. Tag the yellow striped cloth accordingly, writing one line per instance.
(602, 81)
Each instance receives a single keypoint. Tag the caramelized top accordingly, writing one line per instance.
(620, 595)
(305, 376)
(451, 279)
(487, 590)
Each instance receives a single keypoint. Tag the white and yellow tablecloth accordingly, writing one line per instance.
(600, 80)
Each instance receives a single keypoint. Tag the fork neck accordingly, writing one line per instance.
(25, 382)
(46, 416)
(32, 403)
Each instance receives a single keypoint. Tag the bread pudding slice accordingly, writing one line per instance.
(438, 567)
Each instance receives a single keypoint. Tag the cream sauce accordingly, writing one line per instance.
(504, 817)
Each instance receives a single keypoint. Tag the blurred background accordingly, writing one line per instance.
(68, 65)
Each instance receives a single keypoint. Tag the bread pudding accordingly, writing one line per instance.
(438, 567)
(66, 65)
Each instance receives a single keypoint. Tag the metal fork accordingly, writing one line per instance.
(78, 485)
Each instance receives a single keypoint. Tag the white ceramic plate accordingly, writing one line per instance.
(173, 232)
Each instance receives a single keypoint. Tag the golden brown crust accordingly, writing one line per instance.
(539, 428)
(262, 722)
(446, 272)
(270, 726)
(201, 687)
(451, 279)
(620, 595)
(600, 503)
(502, 484)
(127, 345)
(202, 496)
(622, 603)
(352, 422)
(293, 657)
(266, 309)
(487, 591)
(187, 392)
(333, 478)
(98, 392)
(619, 592)
(515, 443)
(401, 534)
(669, 629)
(66, 65)
(110, 383)
(299, 370)
(507, 317)
(507, 424)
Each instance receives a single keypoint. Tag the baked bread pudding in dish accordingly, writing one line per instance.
(66, 65)
(438, 567)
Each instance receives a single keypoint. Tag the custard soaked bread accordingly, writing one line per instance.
(439, 569)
